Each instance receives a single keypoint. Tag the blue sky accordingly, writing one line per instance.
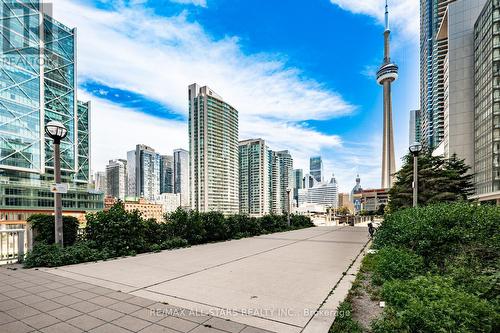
(300, 72)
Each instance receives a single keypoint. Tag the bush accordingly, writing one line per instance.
(301, 221)
(432, 304)
(215, 226)
(391, 263)
(53, 255)
(243, 226)
(174, 243)
(273, 223)
(154, 233)
(343, 320)
(44, 229)
(118, 231)
(472, 275)
(438, 231)
(186, 225)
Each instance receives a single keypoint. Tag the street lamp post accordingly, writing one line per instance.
(288, 190)
(56, 131)
(415, 150)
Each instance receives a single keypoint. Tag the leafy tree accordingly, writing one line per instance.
(116, 230)
(343, 211)
(44, 230)
(439, 180)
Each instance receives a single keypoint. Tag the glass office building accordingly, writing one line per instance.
(143, 172)
(316, 168)
(181, 176)
(37, 85)
(298, 182)
(487, 102)
(167, 174)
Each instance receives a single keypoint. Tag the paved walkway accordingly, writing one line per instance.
(36, 301)
(283, 282)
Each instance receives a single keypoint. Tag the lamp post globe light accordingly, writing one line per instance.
(56, 131)
(415, 150)
(288, 190)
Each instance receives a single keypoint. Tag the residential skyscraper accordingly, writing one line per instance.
(316, 168)
(281, 180)
(213, 145)
(38, 84)
(254, 177)
(117, 179)
(144, 172)
(387, 74)
(456, 32)
(432, 56)
(181, 176)
(486, 165)
(167, 174)
(414, 127)
(298, 183)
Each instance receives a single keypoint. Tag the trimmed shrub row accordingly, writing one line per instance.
(438, 268)
(116, 233)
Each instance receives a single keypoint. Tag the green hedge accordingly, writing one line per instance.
(53, 255)
(116, 232)
(432, 304)
(44, 229)
(439, 231)
(392, 263)
(439, 269)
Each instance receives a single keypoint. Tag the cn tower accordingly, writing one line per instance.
(387, 74)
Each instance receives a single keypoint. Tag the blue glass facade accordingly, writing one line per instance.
(37, 85)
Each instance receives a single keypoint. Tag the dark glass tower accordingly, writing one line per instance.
(316, 168)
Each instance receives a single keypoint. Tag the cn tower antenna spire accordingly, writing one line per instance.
(386, 16)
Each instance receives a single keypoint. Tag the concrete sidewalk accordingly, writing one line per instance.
(275, 282)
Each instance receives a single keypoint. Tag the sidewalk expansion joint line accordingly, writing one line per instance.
(89, 276)
(336, 284)
(234, 260)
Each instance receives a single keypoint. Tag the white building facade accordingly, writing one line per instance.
(325, 194)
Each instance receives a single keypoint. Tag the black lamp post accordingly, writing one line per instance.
(415, 150)
(288, 190)
(56, 131)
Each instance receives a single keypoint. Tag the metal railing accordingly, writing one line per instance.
(12, 246)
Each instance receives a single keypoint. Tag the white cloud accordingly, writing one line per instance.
(116, 130)
(404, 14)
(159, 57)
(201, 3)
